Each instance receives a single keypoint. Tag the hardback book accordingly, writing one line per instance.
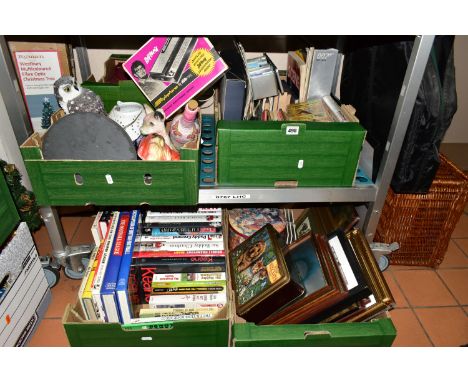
(104, 223)
(95, 230)
(177, 255)
(87, 296)
(170, 71)
(296, 71)
(102, 266)
(187, 219)
(165, 312)
(179, 247)
(122, 287)
(323, 73)
(174, 279)
(108, 295)
(204, 238)
(84, 293)
(188, 300)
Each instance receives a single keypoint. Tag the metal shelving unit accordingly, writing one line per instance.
(373, 195)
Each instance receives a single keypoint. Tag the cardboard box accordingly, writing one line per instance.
(133, 182)
(288, 154)
(26, 292)
(229, 330)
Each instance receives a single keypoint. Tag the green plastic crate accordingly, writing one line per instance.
(187, 333)
(9, 217)
(298, 154)
(57, 182)
(380, 332)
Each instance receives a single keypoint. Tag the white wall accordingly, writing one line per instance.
(458, 130)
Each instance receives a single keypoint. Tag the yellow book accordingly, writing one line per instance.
(84, 293)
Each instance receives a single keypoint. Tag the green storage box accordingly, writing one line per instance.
(74, 182)
(380, 332)
(188, 333)
(282, 154)
(9, 217)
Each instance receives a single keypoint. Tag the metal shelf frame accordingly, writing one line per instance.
(373, 195)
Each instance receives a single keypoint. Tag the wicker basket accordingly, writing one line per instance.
(422, 224)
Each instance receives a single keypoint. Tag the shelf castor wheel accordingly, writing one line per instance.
(71, 274)
(383, 263)
(51, 271)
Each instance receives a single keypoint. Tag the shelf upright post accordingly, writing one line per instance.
(409, 90)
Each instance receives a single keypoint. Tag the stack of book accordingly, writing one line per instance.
(179, 265)
(162, 266)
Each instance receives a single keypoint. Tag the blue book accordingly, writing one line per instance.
(123, 298)
(109, 284)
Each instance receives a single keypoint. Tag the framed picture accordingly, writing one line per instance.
(311, 265)
(260, 277)
(381, 298)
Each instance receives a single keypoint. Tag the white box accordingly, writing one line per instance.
(26, 293)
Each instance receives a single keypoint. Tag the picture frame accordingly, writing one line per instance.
(383, 299)
(260, 277)
(319, 295)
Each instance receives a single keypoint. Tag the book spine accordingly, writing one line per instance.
(195, 218)
(200, 211)
(186, 284)
(95, 231)
(188, 300)
(101, 270)
(179, 317)
(148, 229)
(104, 222)
(87, 293)
(84, 283)
(180, 238)
(162, 246)
(112, 269)
(175, 278)
(164, 312)
(189, 290)
(123, 297)
(178, 254)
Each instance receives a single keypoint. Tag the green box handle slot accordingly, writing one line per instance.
(311, 335)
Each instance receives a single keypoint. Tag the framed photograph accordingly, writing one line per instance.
(351, 274)
(381, 298)
(260, 277)
(311, 266)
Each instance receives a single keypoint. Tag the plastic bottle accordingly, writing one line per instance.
(184, 127)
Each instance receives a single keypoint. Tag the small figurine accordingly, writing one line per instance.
(154, 123)
(130, 116)
(153, 147)
(72, 98)
(184, 127)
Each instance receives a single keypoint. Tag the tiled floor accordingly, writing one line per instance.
(431, 305)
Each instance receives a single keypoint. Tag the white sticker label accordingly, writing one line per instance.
(231, 197)
(300, 164)
(292, 130)
(109, 179)
(343, 263)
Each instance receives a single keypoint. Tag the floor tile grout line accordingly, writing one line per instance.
(423, 328)
(445, 284)
(460, 248)
(75, 231)
(414, 313)
(399, 287)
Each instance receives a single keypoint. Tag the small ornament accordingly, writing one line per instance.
(47, 111)
(154, 123)
(130, 116)
(184, 127)
(153, 147)
(73, 98)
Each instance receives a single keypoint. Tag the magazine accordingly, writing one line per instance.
(170, 71)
